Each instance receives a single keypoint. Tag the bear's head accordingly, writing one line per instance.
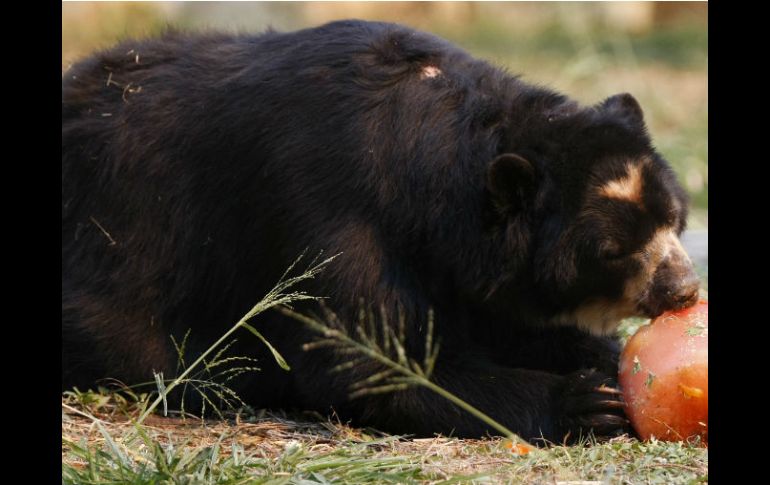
(601, 213)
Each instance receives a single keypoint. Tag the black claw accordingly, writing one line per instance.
(589, 406)
(609, 390)
(604, 421)
(591, 403)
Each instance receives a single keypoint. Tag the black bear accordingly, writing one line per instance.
(197, 167)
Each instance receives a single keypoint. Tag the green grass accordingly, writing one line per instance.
(678, 47)
(271, 449)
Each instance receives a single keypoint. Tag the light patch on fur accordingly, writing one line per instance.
(429, 72)
(627, 188)
(601, 317)
(660, 245)
(664, 245)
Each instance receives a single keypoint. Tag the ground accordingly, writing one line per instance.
(101, 444)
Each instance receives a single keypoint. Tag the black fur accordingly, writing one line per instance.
(196, 168)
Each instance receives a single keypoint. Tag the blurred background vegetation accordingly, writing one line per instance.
(658, 51)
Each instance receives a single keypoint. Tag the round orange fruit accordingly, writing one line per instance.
(664, 376)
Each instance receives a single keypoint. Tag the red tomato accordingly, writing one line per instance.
(664, 376)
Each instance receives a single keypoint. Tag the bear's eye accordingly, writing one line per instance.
(611, 250)
(614, 255)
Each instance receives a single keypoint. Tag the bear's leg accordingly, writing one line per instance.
(561, 350)
(535, 404)
(100, 344)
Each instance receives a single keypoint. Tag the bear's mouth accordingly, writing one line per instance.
(652, 308)
(649, 312)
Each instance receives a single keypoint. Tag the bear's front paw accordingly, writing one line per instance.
(591, 402)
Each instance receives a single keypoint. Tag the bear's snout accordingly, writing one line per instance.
(675, 286)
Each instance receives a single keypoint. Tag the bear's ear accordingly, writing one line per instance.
(625, 106)
(510, 181)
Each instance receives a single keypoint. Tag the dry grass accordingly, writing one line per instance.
(268, 435)
(327, 450)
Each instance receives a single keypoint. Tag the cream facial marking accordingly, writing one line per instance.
(627, 188)
(665, 245)
(429, 72)
(602, 316)
(599, 317)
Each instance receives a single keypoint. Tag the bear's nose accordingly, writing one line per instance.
(685, 294)
(675, 286)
